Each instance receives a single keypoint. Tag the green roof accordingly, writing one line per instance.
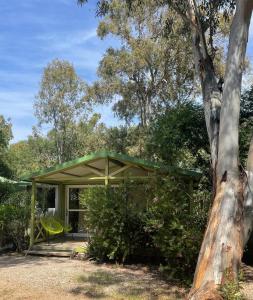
(120, 158)
(18, 185)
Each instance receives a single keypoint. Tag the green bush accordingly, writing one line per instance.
(14, 219)
(5, 190)
(176, 225)
(116, 223)
(158, 217)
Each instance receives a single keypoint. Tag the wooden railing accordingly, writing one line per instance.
(40, 234)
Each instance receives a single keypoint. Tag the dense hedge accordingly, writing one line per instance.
(158, 218)
(115, 221)
(14, 219)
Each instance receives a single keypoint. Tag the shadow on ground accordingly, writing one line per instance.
(13, 259)
(125, 284)
(247, 273)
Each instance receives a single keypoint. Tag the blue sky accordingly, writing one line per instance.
(32, 33)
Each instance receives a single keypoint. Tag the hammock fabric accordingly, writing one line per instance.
(51, 225)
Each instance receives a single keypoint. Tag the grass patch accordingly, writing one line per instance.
(100, 278)
(80, 249)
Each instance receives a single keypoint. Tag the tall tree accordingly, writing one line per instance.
(60, 103)
(142, 76)
(39, 150)
(230, 219)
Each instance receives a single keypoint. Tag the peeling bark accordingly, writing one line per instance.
(205, 70)
(223, 243)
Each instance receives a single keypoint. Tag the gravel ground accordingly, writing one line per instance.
(34, 277)
(44, 278)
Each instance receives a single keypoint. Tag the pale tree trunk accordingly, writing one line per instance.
(211, 94)
(223, 242)
(248, 196)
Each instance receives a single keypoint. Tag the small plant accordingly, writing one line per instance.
(231, 288)
(81, 249)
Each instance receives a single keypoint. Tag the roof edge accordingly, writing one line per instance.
(121, 157)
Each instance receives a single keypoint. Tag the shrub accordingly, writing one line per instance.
(231, 288)
(116, 221)
(176, 225)
(14, 219)
(6, 189)
(160, 217)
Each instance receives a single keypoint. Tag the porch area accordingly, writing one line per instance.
(69, 179)
(59, 247)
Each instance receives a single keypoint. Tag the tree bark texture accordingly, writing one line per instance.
(210, 91)
(224, 239)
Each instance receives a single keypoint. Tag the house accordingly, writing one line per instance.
(96, 169)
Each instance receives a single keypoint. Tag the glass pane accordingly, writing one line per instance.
(45, 198)
(76, 220)
(74, 198)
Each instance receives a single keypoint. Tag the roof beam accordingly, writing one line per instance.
(70, 174)
(94, 170)
(117, 162)
(120, 170)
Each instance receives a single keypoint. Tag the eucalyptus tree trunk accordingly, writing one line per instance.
(224, 239)
(248, 196)
(210, 91)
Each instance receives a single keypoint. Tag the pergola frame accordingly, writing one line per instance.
(100, 168)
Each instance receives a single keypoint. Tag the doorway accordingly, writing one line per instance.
(75, 211)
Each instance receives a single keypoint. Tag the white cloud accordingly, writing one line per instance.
(60, 41)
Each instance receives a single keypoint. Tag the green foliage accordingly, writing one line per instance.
(246, 123)
(6, 189)
(59, 104)
(149, 71)
(39, 150)
(176, 224)
(14, 219)
(127, 140)
(5, 137)
(165, 222)
(179, 137)
(116, 222)
(80, 249)
(231, 289)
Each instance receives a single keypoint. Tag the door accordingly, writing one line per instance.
(75, 211)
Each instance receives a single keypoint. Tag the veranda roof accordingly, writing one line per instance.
(17, 185)
(103, 167)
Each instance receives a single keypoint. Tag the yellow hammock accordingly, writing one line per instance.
(51, 225)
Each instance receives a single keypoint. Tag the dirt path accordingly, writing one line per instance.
(34, 277)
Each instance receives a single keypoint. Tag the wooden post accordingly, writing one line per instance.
(106, 171)
(62, 204)
(33, 202)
